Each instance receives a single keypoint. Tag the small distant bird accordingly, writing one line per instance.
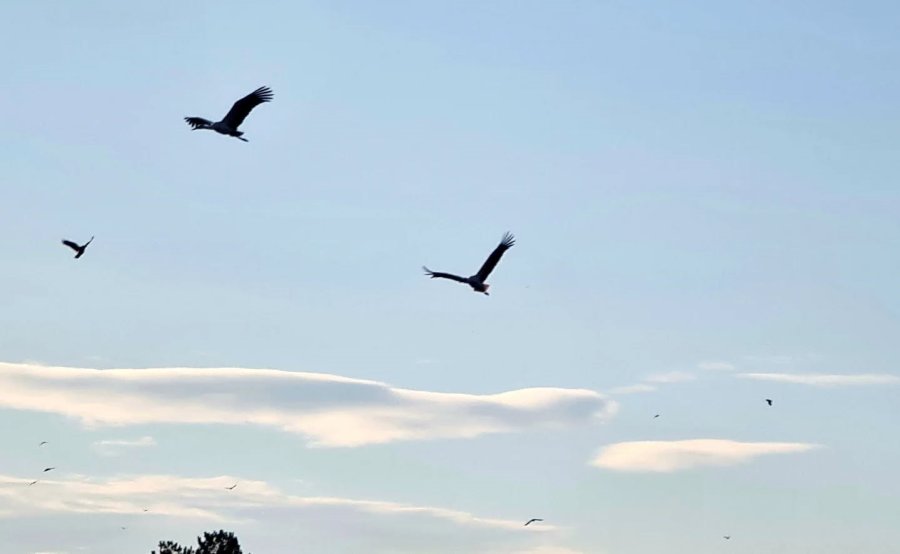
(769, 401)
(727, 537)
(477, 281)
(33, 482)
(656, 416)
(146, 509)
(79, 250)
(235, 116)
(123, 528)
(532, 520)
(46, 469)
(231, 488)
(43, 443)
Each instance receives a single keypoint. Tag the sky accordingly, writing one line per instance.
(705, 205)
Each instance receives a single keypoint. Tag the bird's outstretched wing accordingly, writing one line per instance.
(489, 264)
(241, 109)
(532, 520)
(71, 245)
(438, 274)
(197, 122)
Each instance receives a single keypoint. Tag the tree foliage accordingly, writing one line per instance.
(217, 542)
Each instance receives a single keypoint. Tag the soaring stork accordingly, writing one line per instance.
(477, 281)
(79, 250)
(235, 116)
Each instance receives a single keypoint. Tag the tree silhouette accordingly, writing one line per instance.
(217, 542)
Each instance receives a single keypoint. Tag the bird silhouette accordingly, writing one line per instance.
(46, 469)
(43, 443)
(769, 401)
(33, 482)
(231, 488)
(532, 520)
(79, 250)
(727, 537)
(477, 281)
(235, 116)
(656, 416)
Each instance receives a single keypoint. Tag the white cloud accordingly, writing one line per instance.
(825, 380)
(633, 389)
(671, 377)
(207, 499)
(716, 366)
(114, 446)
(668, 456)
(552, 550)
(329, 410)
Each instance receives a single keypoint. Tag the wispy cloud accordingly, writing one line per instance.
(633, 389)
(552, 550)
(670, 377)
(111, 447)
(329, 410)
(716, 366)
(205, 498)
(825, 380)
(669, 456)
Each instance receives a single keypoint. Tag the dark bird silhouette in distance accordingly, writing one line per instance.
(656, 416)
(79, 250)
(231, 488)
(33, 482)
(477, 281)
(727, 537)
(532, 520)
(769, 401)
(235, 116)
(46, 469)
(43, 443)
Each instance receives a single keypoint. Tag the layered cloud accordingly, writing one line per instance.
(329, 410)
(669, 456)
(206, 499)
(112, 447)
(824, 379)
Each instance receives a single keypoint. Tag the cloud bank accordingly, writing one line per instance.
(825, 380)
(329, 410)
(204, 498)
(669, 456)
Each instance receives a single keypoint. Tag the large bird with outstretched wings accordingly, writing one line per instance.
(235, 116)
(78, 248)
(477, 281)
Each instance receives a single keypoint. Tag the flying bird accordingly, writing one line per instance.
(46, 469)
(79, 250)
(477, 281)
(769, 401)
(727, 537)
(235, 116)
(532, 520)
(43, 443)
(231, 488)
(656, 416)
(33, 482)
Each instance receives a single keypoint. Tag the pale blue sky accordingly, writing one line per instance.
(688, 183)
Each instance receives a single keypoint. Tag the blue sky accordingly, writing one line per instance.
(705, 205)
